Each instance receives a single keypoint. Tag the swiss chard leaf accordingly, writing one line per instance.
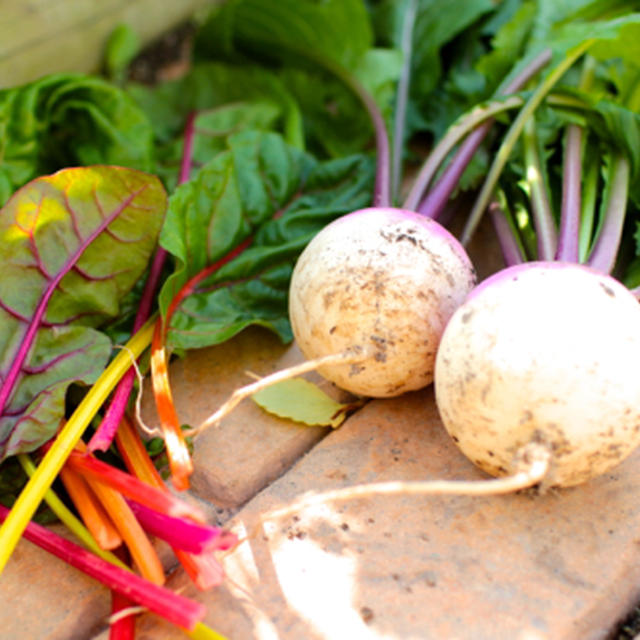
(68, 120)
(263, 189)
(71, 246)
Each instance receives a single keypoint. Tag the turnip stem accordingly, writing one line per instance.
(568, 242)
(441, 192)
(382, 188)
(512, 135)
(511, 250)
(437, 197)
(603, 256)
(569, 238)
(540, 205)
(532, 465)
(456, 132)
(347, 357)
(402, 96)
(588, 209)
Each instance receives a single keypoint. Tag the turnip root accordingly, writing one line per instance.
(546, 353)
(384, 281)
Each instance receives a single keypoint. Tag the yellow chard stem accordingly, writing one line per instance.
(36, 488)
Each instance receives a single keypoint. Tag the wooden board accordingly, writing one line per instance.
(44, 36)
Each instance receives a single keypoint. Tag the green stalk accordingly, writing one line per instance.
(588, 211)
(540, 205)
(510, 139)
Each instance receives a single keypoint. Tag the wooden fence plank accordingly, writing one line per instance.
(44, 36)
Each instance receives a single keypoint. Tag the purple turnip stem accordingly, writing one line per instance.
(171, 606)
(456, 132)
(568, 250)
(540, 206)
(382, 188)
(511, 250)
(605, 250)
(104, 434)
(438, 196)
(512, 135)
(11, 377)
(402, 96)
(571, 211)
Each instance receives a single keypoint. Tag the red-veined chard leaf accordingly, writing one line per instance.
(67, 120)
(267, 190)
(71, 246)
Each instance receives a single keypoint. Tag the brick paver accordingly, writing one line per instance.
(562, 566)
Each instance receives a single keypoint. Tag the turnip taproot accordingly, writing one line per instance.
(546, 353)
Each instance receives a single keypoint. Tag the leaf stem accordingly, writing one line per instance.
(571, 209)
(69, 519)
(540, 206)
(402, 97)
(511, 250)
(382, 188)
(104, 434)
(588, 212)
(603, 256)
(438, 196)
(50, 466)
(512, 135)
(456, 132)
(171, 606)
(90, 509)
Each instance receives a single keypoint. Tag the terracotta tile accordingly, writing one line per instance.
(562, 566)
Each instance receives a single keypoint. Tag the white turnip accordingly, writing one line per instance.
(546, 353)
(382, 282)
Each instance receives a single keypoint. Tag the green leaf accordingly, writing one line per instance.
(72, 245)
(68, 120)
(301, 401)
(288, 30)
(122, 47)
(261, 189)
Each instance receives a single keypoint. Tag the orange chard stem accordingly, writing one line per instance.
(93, 515)
(203, 569)
(139, 545)
(180, 461)
(135, 456)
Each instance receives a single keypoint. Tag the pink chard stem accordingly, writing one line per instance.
(175, 608)
(104, 434)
